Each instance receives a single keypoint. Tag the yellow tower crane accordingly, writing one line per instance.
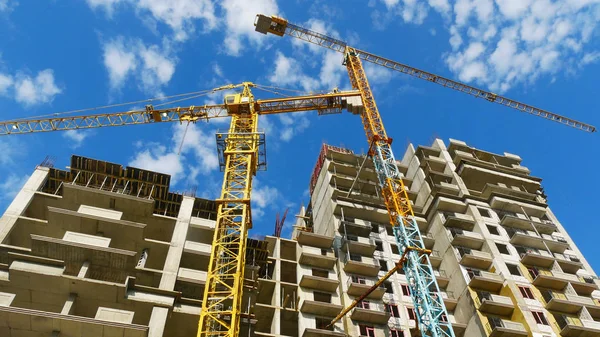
(241, 155)
(429, 306)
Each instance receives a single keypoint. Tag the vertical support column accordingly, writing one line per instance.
(68, 307)
(158, 319)
(18, 206)
(169, 276)
(84, 269)
(277, 292)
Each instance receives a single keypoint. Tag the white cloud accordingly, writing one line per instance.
(502, 43)
(292, 125)
(152, 66)
(76, 137)
(12, 185)
(157, 158)
(119, 61)
(377, 74)
(6, 82)
(288, 72)
(9, 150)
(589, 58)
(7, 5)
(239, 22)
(263, 197)
(179, 15)
(198, 154)
(32, 91)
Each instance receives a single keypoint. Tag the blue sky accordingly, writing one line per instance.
(63, 55)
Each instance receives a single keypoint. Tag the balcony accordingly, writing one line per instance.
(313, 257)
(483, 280)
(531, 239)
(428, 240)
(311, 332)
(535, 257)
(516, 220)
(494, 304)
(493, 189)
(358, 245)
(353, 228)
(567, 303)
(584, 285)
(474, 258)
(450, 300)
(497, 327)
(370, 313)
(435, 258)
(441, 278)
(558, 280)
(318, 308)
(314, 240)
(358, 286)
(464, 238)
(568, 263)
(550, 279)
(458, 220)
(575, 327)
(361, 265)
(319, 283)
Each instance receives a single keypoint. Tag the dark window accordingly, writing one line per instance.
(502, 248)
(392, 309)
(493, 229)
(405, 290)
(526, 292)
(396, 333)
(374, 228)
(539, 317)
(379, 246)
(323, 252)
(383, 265)
(395, 249)
(484, 212)
(112, 203)
(322, 297)
(320, 273)
(322, 323)
(366, 330)
(513, 269)
(364, 304)
(444, 318)
(351, 237)
(412, 314)
(388, 287)
(389, 230)
(355, 257)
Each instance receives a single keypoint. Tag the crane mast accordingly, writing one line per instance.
(221, 305)
(424, 290)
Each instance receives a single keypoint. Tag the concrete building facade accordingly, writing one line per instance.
(103, 250)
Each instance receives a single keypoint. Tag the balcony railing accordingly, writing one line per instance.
(495, 323)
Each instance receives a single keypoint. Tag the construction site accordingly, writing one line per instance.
(442, 240)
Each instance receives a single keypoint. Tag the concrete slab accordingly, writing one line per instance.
(114, 315)
(101, 212)
(27, 322)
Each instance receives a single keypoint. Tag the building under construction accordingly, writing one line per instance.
(105, 250)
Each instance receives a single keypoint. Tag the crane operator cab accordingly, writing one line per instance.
(234, 101)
